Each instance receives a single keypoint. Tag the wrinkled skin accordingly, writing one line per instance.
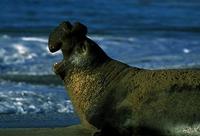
(121, 100)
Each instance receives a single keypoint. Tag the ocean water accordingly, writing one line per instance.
(151, 34)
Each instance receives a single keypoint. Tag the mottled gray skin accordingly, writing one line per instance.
(122, 100)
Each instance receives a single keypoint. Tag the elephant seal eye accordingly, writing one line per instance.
(65, 27)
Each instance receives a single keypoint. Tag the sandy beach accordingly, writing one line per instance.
(76, 130)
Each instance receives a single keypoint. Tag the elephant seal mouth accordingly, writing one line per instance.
(65, 37)
(58, 67)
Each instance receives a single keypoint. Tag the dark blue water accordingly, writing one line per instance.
(150, 34)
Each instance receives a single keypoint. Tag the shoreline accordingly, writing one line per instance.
(76, 130)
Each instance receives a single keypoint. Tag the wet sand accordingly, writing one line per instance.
(76, 130)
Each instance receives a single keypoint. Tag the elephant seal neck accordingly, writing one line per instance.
(88, 86)
(83, 86)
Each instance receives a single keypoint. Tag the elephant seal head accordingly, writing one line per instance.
(77, 49)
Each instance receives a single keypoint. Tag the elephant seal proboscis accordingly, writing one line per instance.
(121, 100)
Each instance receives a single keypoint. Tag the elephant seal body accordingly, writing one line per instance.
(121, 100)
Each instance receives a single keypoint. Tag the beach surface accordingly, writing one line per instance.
(76, 130)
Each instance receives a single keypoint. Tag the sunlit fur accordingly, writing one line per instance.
(123, 100)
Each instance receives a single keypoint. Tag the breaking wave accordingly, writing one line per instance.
(29, 102)
(21, 98)
(30, 55)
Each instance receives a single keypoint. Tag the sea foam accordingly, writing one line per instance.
(33, 100)
(29, 102)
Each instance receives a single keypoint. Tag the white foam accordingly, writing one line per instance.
(5, 36)
(185, 50)
(29, 102)
(96, 38)
(63, 108)
(190, 130)
(131, 39)
(22, 53)
(18, 103)
(35, 39)
(21, 49)
(112, 38)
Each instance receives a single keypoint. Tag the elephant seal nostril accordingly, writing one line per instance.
(55, 47)
(52, 49)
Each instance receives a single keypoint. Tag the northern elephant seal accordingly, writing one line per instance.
(122, 100)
